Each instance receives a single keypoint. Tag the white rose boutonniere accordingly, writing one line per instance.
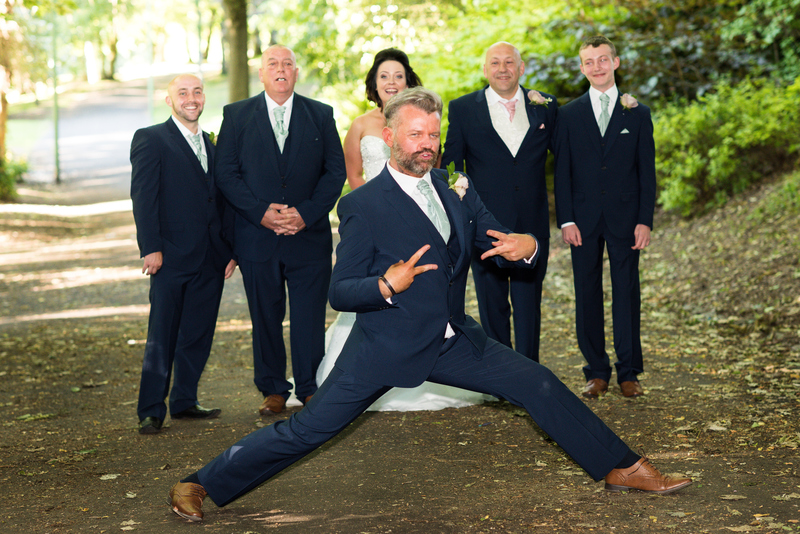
(536, 98)
(628, 101)
(457, 180)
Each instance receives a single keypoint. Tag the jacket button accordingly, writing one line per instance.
(603, 168)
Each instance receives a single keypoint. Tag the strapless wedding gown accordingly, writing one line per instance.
(428, 396)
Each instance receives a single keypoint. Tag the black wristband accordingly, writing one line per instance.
(388, 285)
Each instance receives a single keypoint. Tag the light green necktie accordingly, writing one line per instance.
(435, 212)
(604, 118)
(196, 140)
(280, 129)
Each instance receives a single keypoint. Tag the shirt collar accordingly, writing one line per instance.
(184, 130)
(271, 104)
(493, 98)
(612, 93)
(407, 182)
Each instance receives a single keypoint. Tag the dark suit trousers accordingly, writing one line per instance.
(492, 285)
(343, 397)
(183, 316)
(587, 267)
(266, 284)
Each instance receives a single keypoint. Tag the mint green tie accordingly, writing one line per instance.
(435, 212)
(196, 140)
(604, 117)
(280, 129)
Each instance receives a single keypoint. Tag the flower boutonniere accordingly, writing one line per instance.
(536, 98)
(628, 101)
(213, 138)
(457, 180)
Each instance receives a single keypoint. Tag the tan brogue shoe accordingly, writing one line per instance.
(594, 388)
(643, 476)
(186, 499)
(631, 388)
(272, 404)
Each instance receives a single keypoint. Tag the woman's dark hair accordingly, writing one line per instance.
(389, 54)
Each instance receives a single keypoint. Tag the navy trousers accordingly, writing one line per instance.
(183, 316)
(497, 371)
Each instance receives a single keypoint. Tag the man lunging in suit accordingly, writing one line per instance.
(183, 238)
(402, 266)
(280, 164)
(605, 189)
(502, 134)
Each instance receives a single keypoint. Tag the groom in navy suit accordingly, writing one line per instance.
(280, 164)
(402, 266)
(605, 188)
(184, 240)
(500, 137)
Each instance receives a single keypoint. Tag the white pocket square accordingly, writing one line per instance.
(541, 127)
(624, 131)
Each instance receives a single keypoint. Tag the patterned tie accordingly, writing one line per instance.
(604, 118)
(435, 212)
(280, 129)
(511, 106)
(196, 140)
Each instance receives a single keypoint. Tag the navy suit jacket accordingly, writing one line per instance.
(397, 344)
(513, 188)
(248, 172)
(176, 206)
(613, 176)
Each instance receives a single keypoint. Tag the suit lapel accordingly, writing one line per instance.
(297, 127)
(614, 126)
(484, 120)
(452, 205)
(265, 130)
(536, 116)
(590, 122)
(210, 154)
(411, 213)
(183, 146)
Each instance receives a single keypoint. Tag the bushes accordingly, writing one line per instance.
(717, 147)
(11, 172)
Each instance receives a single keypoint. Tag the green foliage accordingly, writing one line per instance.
(11, 171)
(717, 147)
(770, 28)
(667, 49)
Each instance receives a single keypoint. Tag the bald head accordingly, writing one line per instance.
(503, 68)
(186, 98)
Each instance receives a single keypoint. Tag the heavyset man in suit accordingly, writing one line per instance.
(280, 165)
(605, 189)
(184, 242)
(402, 264)
(503, 140)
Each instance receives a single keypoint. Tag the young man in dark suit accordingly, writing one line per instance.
(402, 264)
(280, 164)
(605, 189)
(183, 238)
(500, 136)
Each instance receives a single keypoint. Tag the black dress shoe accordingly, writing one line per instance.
(150, 425)
(197, 412)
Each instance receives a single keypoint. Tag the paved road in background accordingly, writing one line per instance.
(95, 132)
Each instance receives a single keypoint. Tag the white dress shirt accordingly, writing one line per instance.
(287, 115)
(511, 132)
(187, 133)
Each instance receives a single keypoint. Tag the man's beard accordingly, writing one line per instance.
(410, 163)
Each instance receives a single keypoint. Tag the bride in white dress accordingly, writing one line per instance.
(365, 155)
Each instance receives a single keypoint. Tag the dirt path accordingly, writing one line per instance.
(71, 340)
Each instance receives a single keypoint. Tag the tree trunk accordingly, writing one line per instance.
(239, 75)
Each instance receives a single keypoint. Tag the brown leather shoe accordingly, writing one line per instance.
(307, 400)
(643, 476)
(272, 404)
(594, 388)
(186, 499)
(631, 388)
